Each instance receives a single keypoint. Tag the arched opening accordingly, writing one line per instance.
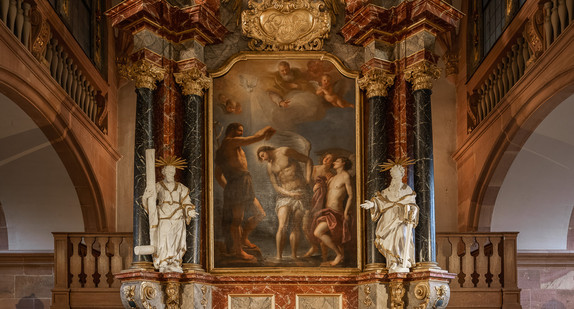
(59, 137)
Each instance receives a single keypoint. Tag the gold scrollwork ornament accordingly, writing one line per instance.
(368, 302)
(172, 295)
(286, 25)
(376, 82)
(421, 75)
(193, 81)
(397, 293)
(148, 292)
(442, 296)
(422, 292)
(144, 73)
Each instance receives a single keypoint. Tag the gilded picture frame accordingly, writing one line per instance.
(284, 139)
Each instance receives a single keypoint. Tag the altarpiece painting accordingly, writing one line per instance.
(284, 162)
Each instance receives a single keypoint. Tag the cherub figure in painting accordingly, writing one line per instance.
(331, 226)
(326, 91)
(291, 185)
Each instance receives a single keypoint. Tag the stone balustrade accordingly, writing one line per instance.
(532, 36)
(39, 32)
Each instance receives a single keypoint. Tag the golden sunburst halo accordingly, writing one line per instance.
(174, 161)
(402, 161)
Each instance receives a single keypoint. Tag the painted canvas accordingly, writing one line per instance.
(284, 165)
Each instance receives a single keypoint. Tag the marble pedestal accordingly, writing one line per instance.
(424, 288)
(151, 289)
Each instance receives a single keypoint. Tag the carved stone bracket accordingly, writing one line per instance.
(143, 72)
(193, 81)
(286, 25)
(376, 82)
(421, 74)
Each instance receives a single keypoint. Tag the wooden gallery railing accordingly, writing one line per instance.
(84, 264)
(529, 35)
(37, 26)
(486, 267)
(485, 263)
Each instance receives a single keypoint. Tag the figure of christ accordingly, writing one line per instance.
(291, 186)
(238, 196)
(331, 224)
(326, 91)
(321, 175)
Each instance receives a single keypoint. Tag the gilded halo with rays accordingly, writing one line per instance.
(174, 161)
(403, 161)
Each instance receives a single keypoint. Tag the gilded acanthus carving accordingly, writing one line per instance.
(397, 293)
(534, 37)
(442, 296)
(129, 292)
(376, 82)
(421, 74)
(193, 81)
(286, 25)
(368, 302)
(172, 295)
(422, 292)
(144, 73)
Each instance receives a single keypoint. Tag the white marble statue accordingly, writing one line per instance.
(397, 214)
(169, 208)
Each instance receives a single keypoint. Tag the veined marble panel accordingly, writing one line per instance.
(319, 301)
(248, 301)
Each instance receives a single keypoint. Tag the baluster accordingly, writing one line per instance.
(506, 67)
(490, 96)
(493, 95)
(75, 262)
(54, 62)
(61, 60)
(481, 262)
(12, 11)
(514, 66)
(126, 251)
(502, 74)
(27, 26)
(5, 7)
(64, 71)
(103, 263)
(495, 262)
(562, 14)
(49, 53)
(454, 260)
(555, 20)
(74, 82)
(89, 101)
(522, 56)
(548, 23)
(77, 94)
(71, 74)
(519, 61)
(480, 106)
(83, 94)
(569, 7)
(509, 71)
(442, 252)
(19, 23)
(468, 262)
(525, 53)
(499, 84)
(495, 86)
(116, 266)
(89, 263)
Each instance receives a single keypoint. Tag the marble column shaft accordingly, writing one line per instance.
(193, 175)
(143, 141)
(378, 130)
(424, 176)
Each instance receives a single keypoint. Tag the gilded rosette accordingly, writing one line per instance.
(286, 25)
(193, 81)
(376, 82)
(144, 73)
(421, 74)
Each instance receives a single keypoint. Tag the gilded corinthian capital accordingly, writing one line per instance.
(193, 81)
(376, 82)
(144, 73)
(421, 74)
